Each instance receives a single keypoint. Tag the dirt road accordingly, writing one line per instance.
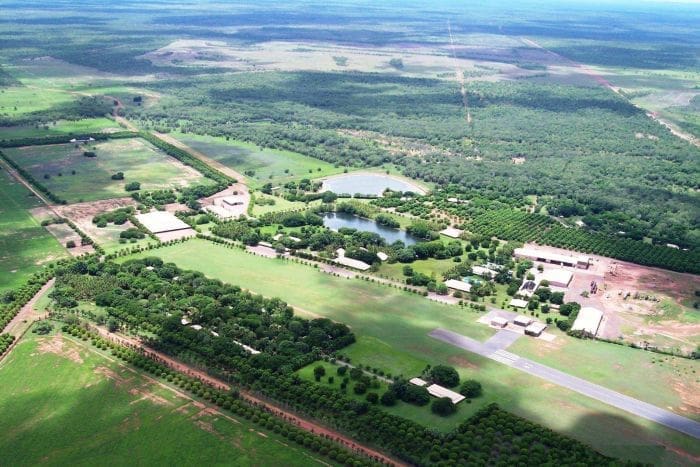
(29, 186)
(28, 313)
(305, 424)
(692, 139)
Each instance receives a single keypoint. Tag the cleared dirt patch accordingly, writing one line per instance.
(55, 345)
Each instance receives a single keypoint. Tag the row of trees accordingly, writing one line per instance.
(229, 401)
(226, 317)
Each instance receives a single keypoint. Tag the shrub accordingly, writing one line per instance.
(132, 186)
(444, 375)
(443, 407)
(471, 388)
(388, 398)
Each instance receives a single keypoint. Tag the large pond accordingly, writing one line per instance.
(336, 220)
(368, 184)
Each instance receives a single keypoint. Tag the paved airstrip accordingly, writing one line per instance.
(494, 348)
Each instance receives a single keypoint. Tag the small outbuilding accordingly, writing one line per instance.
(458, 285)
(418, 382)
(522, 320)
(499, 322)
(518, 303)
(535, 329)
(588, 320)
(451, 232)
(557, 277)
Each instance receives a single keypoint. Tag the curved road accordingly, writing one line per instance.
(595, 391)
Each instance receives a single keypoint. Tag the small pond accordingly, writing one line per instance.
(367, 184)
(336, 220)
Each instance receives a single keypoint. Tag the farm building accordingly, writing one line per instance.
(522, 320)
(439, 391)
(557, 277)
(458, 285)
(484, 272)
(231, 201)
(418, 382)
(499, 322)
(161, 221)
(451, 232)
(165, 225)
(518, 303)
(349, 262)
(247, 348)
(219, 211)
(535, 329)
(551, 257)
(588, 320)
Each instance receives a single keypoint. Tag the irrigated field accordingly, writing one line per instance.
(62, 403)
(392, 327)
(260, 165)
(66, 172)
(24, 244)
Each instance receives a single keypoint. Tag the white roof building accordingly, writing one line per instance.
(439, 391)
(483, 272)
(458, 285)
(418, 382)
(552, 257)
(535, 329)
(382, 256)
(247, 348)
(499, 322)
(522, 320)
(352, 263)
(518, 303)
(557, 277)
(161, 221)
(451, 232)
(588, 320)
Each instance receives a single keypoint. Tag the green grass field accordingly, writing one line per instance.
(270, 165)
(61, 127)
(62, 403)
(386, 318)
(18, 101)
(24, 244)
(136, 158)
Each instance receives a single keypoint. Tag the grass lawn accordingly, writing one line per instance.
(24, 244)
(61, 127)
(62, 403)
(18, 101)
(270, 165)
(136, 158)
(400, 321)
(429, 267)
(281, 204)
